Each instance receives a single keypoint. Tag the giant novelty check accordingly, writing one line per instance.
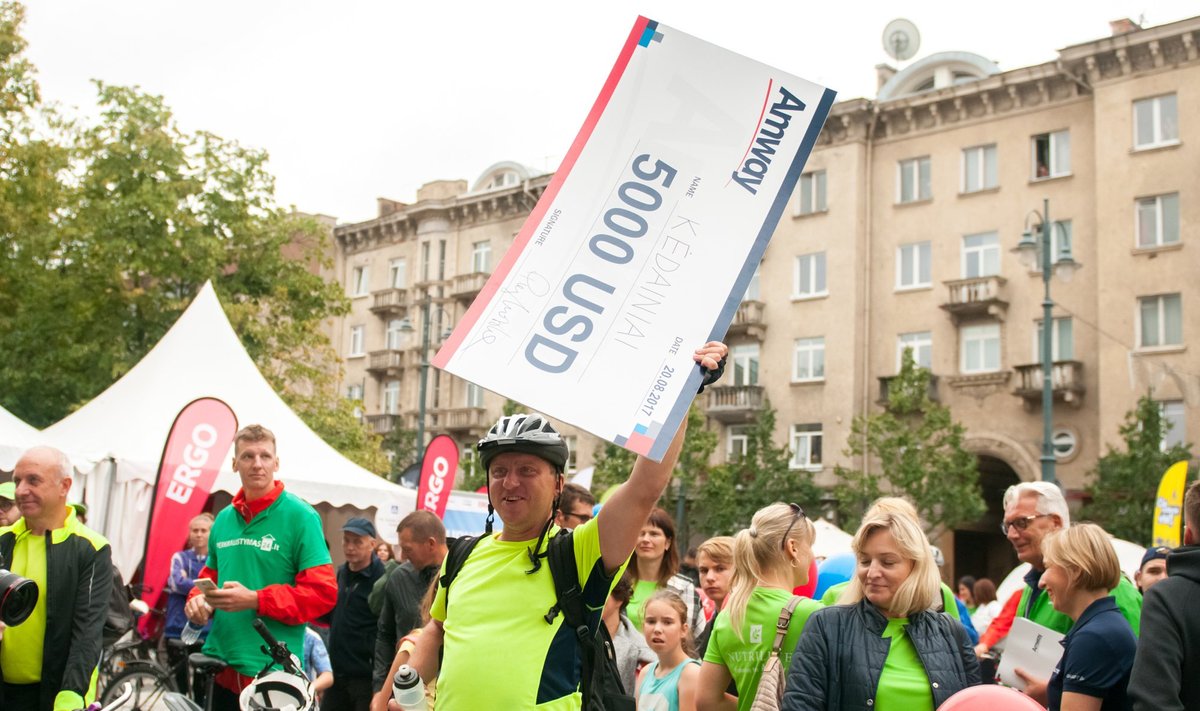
(644, 242)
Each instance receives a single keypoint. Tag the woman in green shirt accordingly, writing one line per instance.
(655, 566)
(883, 647)
(770, 559)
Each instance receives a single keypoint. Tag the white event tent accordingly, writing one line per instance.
(117, 438)
(15, 438)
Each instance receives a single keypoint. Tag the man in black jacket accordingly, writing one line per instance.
(352, 626)
(1166, 671)
(46, 662)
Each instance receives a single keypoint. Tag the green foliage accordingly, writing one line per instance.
(731, 494)
(1125, 483)
(402, 445)
(110, 228)
(472, 474)
(919, 448)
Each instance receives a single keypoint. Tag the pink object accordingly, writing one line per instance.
(990, 697)
(807, 589)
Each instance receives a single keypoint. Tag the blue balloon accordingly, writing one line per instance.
(834, 570)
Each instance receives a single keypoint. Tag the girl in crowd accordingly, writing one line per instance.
(770, 558)
(384, 551)
(966, 593)
(629, 645)
(714, 562)
(987, 606)
(883, 648)
(656, 566)
(668, 684)
(1081, 569)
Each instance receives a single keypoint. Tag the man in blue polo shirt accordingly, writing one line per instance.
(352, 629)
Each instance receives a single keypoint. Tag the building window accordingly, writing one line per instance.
(360, 284)
(809, 362)
(481, 257)
(913, 265)
(745, 363)
(921, 344)
(1161, 321)
(474, 395)
(1060, 242)
(395, 334)
(1064, 444)
(913, 182)
(979, 168)
(981, 348)
(1155, 122)
(354, 393)
(812, 193)
(1158, 220)
(753, 291)
(1052, 155)
(391, 397)
(981, 255)
(1174, 415)
(806, 446)
(572, 443)
(1062, 340)
(737, 440)
(810, 276)
(397, 273)
(357, 347)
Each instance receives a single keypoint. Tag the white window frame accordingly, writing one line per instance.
(922, 249)
(1161, 336)
(813, 197)
(1062, 326)
(474, 395)
(1059, 142)
(360, 280)
(389, 399)
(481, 256)
(917, 167)
(572, 442)
(1175, 412)
(814, 264)
(1157, 123)
(394, 335)
(358, 342)
(737, 441)
(983, 334)
(354, 392)
(812, 352)
(980, 180)
(918, 341)
(990, 249)
(398, 273)
(741, 357)
(801, 440)
(1160, 204)
(754, 288)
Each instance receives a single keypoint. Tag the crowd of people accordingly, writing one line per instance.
(535, 615)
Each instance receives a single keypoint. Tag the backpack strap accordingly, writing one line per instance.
(560, 553)
(785, 619)
(456, 557)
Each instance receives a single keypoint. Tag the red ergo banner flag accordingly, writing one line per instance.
(438, 469)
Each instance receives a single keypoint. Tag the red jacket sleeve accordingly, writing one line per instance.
(314, 594)
(205, 572)
(1000, 626)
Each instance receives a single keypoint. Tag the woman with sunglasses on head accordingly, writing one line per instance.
(883, 647)
(655, 566)
(770, 559)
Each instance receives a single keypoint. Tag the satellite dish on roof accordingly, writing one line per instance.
(901, 40)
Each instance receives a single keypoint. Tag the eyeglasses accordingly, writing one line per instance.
(583, 517)
(1021, 523)
(798, 512)
(6, 504)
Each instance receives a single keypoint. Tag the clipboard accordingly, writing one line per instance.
(1032, 648)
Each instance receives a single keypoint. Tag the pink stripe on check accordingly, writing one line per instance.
(639, 443)
(535, 218)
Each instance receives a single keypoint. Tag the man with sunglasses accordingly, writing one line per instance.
(575, 505)
(9, 513)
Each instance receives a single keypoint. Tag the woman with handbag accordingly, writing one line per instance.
(761, 620)
(883, 647)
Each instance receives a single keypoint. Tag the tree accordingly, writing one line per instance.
(113, 226)
(1125, 483)
(728, 498)
(919, 448)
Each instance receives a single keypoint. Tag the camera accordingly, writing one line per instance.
(18, 597)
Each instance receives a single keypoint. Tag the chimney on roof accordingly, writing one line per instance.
(1123, 26)
(883, 72)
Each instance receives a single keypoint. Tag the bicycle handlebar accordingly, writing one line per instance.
(278, 651)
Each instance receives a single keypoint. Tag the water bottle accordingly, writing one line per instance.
(191, 633)
(408, 690)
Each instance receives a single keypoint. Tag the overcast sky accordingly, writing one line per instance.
(358, 100)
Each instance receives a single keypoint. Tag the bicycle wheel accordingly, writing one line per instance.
(150, 685)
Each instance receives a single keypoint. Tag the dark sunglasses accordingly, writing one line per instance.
(798, 513)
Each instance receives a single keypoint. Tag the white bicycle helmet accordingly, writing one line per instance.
(527, 434)
(277, 691)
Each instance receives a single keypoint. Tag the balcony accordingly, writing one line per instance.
(389, 302)
(386, 363)
(1066, 382)
(885, 388)
(979, 296)
(734, 404)
(749, 320)
(460, 420)
(465, 287)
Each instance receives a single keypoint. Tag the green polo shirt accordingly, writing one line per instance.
(1035, 605)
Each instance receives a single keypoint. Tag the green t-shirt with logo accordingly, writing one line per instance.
(903, 683)
(498, 650)
(271, 549)
(643, 590)
(745, 657)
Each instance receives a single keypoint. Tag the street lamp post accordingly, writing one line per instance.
(406, 326)
(1030, 249)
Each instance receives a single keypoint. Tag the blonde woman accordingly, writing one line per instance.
(770, 559)
(883, 647)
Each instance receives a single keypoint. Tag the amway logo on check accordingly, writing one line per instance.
(267, 543)
(768, 135)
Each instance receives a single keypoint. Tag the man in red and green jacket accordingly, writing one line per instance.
(268, 557)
